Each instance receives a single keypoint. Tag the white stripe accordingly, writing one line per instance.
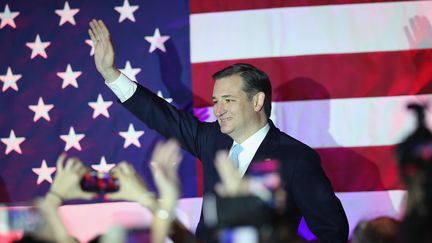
(360, 206)
(368, 205)
(346, 122)
(346, 28)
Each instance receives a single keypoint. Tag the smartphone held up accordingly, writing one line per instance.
(99, 182)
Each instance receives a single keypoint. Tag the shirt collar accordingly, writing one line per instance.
(253, 142)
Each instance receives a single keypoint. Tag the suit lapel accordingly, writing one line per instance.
(268, 146)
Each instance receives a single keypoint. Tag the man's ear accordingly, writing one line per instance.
(258, 101)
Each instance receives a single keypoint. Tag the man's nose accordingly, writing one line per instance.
(219, 109)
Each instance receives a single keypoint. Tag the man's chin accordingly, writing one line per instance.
(225, 131)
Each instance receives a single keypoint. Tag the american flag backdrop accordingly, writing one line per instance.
(342, 73)
(53, 100)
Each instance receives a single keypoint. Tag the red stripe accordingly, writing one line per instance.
(205, 6)
(361, 168)
(331, 76)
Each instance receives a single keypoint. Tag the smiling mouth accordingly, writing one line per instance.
(225, 119)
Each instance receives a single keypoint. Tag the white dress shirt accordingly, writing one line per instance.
(122, 87)
(250, 146)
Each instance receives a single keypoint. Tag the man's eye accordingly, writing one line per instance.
(214, 102)
(228, 100)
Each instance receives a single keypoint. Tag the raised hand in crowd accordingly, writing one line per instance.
(231, 183)
(66, 184)
(164, 163)
(132, 187)
(53, 229)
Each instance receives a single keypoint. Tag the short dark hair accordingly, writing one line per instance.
(254, 81)
(382, 229)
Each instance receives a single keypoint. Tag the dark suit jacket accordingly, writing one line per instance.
(309, 191)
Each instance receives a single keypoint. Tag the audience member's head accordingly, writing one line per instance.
(378, 230)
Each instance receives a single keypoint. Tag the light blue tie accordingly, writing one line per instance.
(236, 150)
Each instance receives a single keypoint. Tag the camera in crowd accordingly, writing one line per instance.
(99, 182)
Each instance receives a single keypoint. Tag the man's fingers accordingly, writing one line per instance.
(172, 144)
(118, 170)
(409, 37)
(95, 27)
(168, 187)
(93, 30)
(220, 190)
(124, 168)
(224, 165)
(414, 26)
(175, 155)
(167, 154)
(82, 169)
(155, 170)
(104, 29)
(77, 165)
(92, 37)
(159, 176)
(99, 28)
(69, 163)
(230, 177)
(60, 162)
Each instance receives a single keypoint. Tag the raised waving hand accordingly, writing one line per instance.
(104, 51)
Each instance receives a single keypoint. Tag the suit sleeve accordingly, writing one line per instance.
(314, 196)
(161, 116)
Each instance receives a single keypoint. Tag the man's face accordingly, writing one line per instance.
(234, 111)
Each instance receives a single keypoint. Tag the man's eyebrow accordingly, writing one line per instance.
(224, 97)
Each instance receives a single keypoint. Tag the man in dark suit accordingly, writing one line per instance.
(242, 105)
